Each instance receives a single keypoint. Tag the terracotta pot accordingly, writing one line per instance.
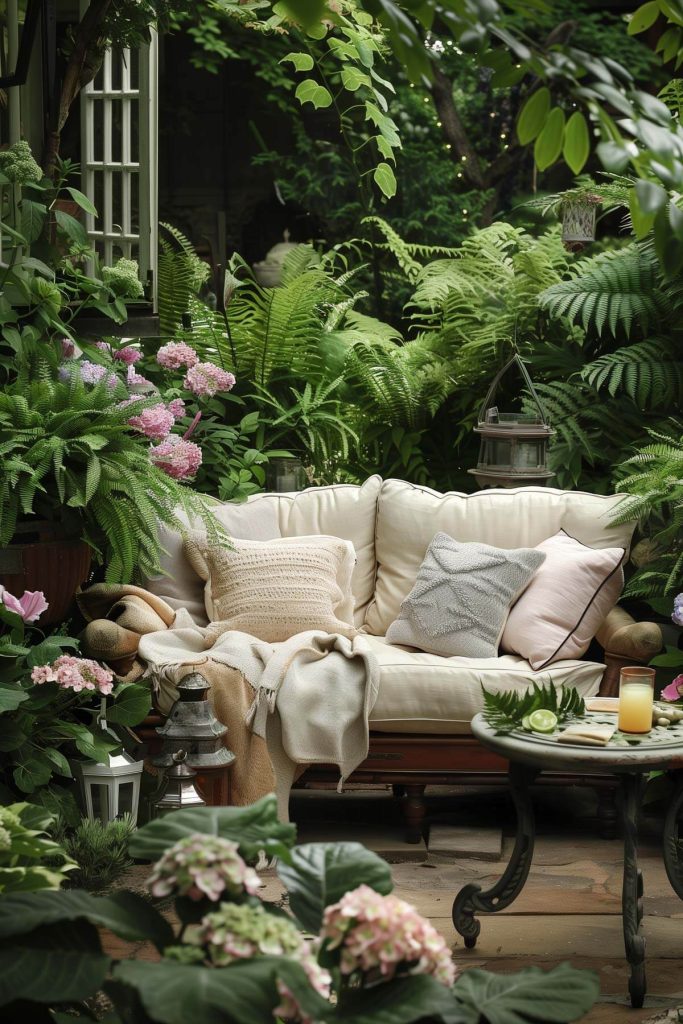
(42, 558)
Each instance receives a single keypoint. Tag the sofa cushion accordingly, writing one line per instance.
(409, 516)
(567, 601)
(462, 597)
(340, 510)
(425, 693)
(277, 588)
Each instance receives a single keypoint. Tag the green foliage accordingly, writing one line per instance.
(99, 850)
(505, 711)
(27, 855)
(654, 482)
(180, 277)
(55, 936)
(68, 456)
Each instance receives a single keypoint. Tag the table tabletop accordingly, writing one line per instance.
(661, 748)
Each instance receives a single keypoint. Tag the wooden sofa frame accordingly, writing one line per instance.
(410, 762)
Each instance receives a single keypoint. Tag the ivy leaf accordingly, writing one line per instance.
(353, 79)
(533, 115)
(384, 147)
(549, 143)
(576, 142)
(385, 179)
(643, 18)
(309, 91)
(301, 61)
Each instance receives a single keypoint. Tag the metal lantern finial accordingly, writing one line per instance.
(514, 445)
(178, 791)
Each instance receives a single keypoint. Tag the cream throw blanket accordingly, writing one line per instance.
(309, 698)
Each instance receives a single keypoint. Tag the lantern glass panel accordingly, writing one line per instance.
(498, 453)
(528, 455)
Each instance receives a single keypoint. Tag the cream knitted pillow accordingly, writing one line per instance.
(274, 589)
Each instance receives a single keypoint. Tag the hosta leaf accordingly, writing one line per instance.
(554, 997)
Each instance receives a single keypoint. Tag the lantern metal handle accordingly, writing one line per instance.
(516, 358)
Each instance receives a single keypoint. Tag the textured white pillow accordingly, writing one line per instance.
(567, 601)
(275, 589)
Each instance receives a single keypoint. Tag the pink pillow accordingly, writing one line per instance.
(566, 602)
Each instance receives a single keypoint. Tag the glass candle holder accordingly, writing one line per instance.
(636, 696)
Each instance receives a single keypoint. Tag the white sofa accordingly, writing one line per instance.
(421, 721)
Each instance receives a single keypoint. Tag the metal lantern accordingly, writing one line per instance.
(578, 222)
(110, 788)
(193, 727)
(178, 791)
(514, 445)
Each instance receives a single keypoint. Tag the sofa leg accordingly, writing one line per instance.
(398, 790)
(607, 811)
(414, 809)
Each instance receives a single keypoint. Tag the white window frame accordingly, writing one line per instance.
(112, 239)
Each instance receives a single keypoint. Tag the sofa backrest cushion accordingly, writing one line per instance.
(339, 510)
(409, 516)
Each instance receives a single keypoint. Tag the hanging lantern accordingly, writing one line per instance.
(578, 222)
(109, 788)
(514, 445)
(193, 727)
(178, 791)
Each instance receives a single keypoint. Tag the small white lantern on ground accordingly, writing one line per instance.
(109, 788)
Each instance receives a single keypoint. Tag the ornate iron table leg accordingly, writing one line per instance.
(673, 840)
(632, 786)
(471, 899)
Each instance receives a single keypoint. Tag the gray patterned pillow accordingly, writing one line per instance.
(462, 596)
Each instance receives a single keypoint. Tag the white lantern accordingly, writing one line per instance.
(110, 789)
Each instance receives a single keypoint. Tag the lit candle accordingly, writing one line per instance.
(635, 706)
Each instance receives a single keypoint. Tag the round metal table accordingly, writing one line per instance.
(629, 759)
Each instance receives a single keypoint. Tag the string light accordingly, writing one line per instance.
(503, 135)
(464, 159)
(448, 145)
(438, 124)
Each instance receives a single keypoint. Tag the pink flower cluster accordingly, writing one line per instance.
(383, 935)
(127, 355)
(205, 379)
(674, 691)
(30, 606)
(75, 674)
(202, 866)
(154, 422)
(179, 458)
(320, 980)
(92, 373)
(175, 354)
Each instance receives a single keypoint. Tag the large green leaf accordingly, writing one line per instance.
(320, 873)
(643, 18)
(129, 916)
(32, 219)
(533, 115)
(132, 703)
(255, 828)
(554, 997)
(82, 200)
(11, 697)
(71, 227)
(385, 179)
(309, 91)
(53, 964)
(301, 61)
(403, 1001)
(576, 142)
(549, 143)
(243, 993)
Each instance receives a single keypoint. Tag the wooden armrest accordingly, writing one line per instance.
(622, 637)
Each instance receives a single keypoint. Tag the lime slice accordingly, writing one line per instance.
(542, 721)
(525, 724)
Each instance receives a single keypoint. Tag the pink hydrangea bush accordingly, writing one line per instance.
(75, 674)
(382, 936)
(179, 458)
(155, 422)
(205, 379)
(242, 931)
(202, 867)
(175, 354)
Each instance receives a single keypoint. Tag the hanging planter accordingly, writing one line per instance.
(578, 222)
(514, 445)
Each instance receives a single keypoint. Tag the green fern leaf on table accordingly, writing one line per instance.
(505, 711)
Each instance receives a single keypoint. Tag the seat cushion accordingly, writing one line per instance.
(425, 693)
(409, 516)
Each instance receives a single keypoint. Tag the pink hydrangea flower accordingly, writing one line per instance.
(205, 379)
(136, 381)
(382, 936)
(103, 346)
(92, 373)
(128, 355)
(179, 458)
(674, 691)
(155, 422)
(75, 674)
(177, 407)
(677, 613)
(175, 354)
(30, 606)
(202, 867)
